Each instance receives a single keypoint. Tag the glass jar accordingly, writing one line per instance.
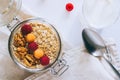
(56, 66)
(8, 10)
(8, 16)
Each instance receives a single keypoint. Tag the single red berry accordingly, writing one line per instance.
(44, 60)
(69, 6)
(32, 46)
(26, 28)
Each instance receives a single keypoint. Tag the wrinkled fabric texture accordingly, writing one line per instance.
(9, 70)
(82, 66)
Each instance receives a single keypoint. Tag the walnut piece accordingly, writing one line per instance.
(19, 40)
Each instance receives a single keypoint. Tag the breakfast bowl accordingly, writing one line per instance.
(35, 45)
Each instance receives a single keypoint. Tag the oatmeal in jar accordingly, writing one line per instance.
(35, 45)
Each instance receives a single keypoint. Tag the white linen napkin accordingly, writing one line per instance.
(82, 66)
(8, 69)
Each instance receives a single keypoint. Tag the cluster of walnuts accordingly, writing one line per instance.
(21, 51)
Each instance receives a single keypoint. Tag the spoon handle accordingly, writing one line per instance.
(114, 69)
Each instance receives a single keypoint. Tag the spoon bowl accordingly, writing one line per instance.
(93, 43)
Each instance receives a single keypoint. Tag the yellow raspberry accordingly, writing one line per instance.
(30, 37)
(38, 53)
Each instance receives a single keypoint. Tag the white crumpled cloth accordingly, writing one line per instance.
(8, 69)
(82, 66)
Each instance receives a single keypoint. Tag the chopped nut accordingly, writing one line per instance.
(22, 49)
(26, 62)
(19, 40)
(30, 58)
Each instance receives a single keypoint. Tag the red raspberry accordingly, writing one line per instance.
(69, 6)
(32, 46)
(44, 60)
(26, 28)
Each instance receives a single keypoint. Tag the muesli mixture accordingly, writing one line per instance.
(35, 45)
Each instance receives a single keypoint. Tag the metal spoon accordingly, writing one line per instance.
(93, 41)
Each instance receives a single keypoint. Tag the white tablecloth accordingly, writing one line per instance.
(82, 65)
